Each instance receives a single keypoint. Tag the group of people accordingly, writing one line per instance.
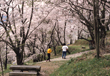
(64, 50)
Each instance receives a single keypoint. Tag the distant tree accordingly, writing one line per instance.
(41, 43)
(65, 31)
(5, 63)
(53, 39)
(1, 58)
(58, 32)
(96, 24)
(15, 30)
(45, 41)
(88, 12)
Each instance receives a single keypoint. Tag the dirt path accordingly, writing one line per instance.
(68, 57)
(49, 67)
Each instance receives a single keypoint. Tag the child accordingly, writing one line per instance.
(48, 53)
(64, 49)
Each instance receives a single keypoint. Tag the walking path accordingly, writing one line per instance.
(68, 57)
(49, 67)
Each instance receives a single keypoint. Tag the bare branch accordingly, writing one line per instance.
(40, 22)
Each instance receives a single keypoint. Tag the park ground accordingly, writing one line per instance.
(49, 67)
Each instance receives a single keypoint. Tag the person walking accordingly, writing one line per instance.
(48, 53)
(64, 49)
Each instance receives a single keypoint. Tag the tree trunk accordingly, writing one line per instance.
(96, 25)
(2, 68)
(54, 48)
(1, 63)
(107, 28)
(44, 56)
(34, 44)
(6, 58)
(64, 33)
(19, 55)
(71, 41)
(20, 58)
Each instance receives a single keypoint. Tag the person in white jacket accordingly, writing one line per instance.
(64, 49)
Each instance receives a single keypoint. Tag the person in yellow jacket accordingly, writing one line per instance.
(48, 53)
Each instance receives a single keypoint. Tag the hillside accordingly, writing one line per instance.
(82, 65)
(29, 27)
(46, 14)
(55, 63)
(87, 64)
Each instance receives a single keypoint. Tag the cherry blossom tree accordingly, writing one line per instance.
(17, 25)
(95, 16)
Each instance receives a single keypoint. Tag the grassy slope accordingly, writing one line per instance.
(73, 48)
(77, 47)
(6, 71)
(85, 66)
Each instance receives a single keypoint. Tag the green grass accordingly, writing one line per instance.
(86, 67)
(78, 48)
(7, 70)
(81, 42)
(72, 49)
(30, 62)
